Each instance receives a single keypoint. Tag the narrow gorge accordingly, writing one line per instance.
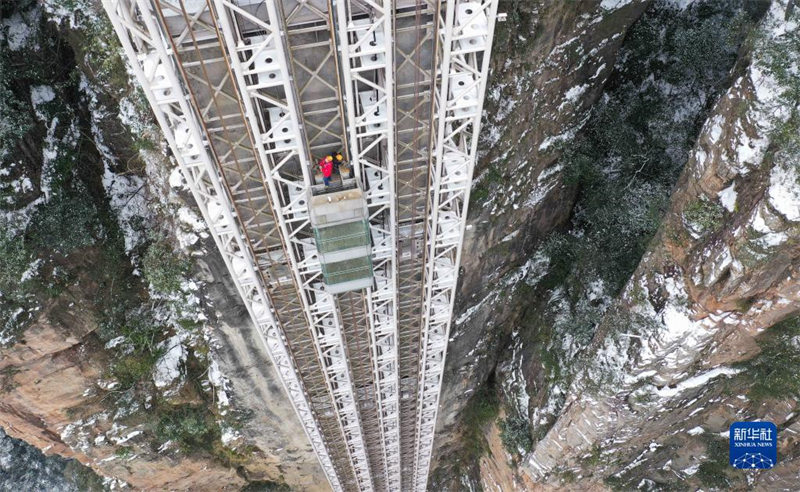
(629, 282)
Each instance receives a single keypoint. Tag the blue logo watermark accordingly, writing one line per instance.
(753, 445)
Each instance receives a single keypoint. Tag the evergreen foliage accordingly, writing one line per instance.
(772, 370)
(515, 433)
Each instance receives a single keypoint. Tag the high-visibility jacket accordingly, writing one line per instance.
(326, 167)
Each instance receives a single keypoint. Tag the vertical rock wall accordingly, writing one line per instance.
(549, 65)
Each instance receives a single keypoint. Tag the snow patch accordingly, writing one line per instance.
(695, 431)
(573, 94)
(127, 199)
(41, 94)
(18, 29)
(613, 4)
(716, 129)
(176, 178)
(509, 237)
(168, 366)
(216, 378)
(784, 190)
(691, 470)
(727, 197)
(697, 381)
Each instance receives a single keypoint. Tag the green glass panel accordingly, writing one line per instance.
(342, 236)
(344, 271)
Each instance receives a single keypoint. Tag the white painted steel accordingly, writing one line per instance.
(264, 81)
(149, 56)
(319, 306)
(465, 34)
(367, 65)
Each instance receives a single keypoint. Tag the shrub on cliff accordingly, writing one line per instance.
(515, 433)
(772, 370)
(163, 268)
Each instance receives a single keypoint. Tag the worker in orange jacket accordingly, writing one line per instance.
(326, 166)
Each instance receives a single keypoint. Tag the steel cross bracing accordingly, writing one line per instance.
(311, 38)
(295, 310)
(315, 308)
(413, 34)
(260, 272)
(364, 38)
(259, 60)
(246, 91)
(464, 44)
(353, 308)
(150, 58)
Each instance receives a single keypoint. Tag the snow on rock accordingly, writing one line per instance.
(41, 94)
(680, 4)
(784, 190)
(613, 4)
(114, 342)
(695, 431)
(716, 128)
(18, 29)
(168, 366)
(51, 147)
(718, 265)
(691, 470)
(514, 383)
(31, 271)
(538, 194)
(510, 236)
(195, 228)
(758, 223)
(727, 197)
(126, 194)
(750, 151)
(772, 239)
(216, 378)
(677, 338)
(191, 219)
(229, 435)
(697, 381)
(769, 109)
(573, 95)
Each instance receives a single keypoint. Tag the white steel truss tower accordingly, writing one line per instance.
(249, 94)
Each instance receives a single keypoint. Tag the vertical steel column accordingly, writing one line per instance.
(465, 41)
(365, 42)
(278, 154)
(153, 66)
(414, 35)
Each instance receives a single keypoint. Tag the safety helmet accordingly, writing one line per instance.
(339, 157)
(328, 158)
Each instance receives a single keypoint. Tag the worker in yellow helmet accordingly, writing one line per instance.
(338, 159)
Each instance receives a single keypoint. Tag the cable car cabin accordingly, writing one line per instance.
(341, 231)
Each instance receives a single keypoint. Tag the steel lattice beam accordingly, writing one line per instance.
(246, 91)
(464, 44)
(364, 37)
(270, 90)
(158, 76)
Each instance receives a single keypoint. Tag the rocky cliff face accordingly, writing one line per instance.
(721, 270)
(23, 467)
(629, 282)
(120, 345)
(550, 63)
(626, 342)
